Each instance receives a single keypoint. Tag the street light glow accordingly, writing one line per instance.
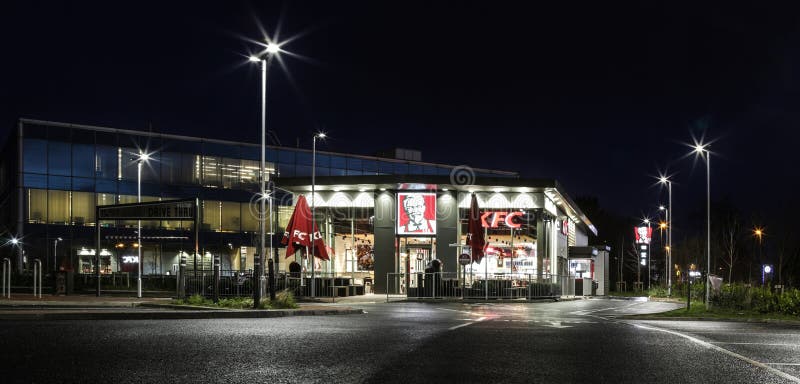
(321, 135)
(661, 208)
(254, 59)
(144, 156)
(273, 48)
(14, 241)
(699, 148)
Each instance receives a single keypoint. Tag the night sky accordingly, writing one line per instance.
(598, 95)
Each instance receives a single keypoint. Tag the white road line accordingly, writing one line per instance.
(782, 363)
(725, 351)
(466, 324)
(742, 343)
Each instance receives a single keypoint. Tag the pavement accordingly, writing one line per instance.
(90, 307)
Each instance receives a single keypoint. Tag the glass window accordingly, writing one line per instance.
(323, 160)
(127, 158)
(108, 186)
(231, 216)
(414, 169)
(286, 157)
(249, 217)
(106, 199)
(303, 171)
(59, 182)
(58, 207)
(354, 165)
(37, 206)
(338, 172)
(231, 168)
(400, 169)
(33, 180)
(370, 167)
(385, 167)
(83, 160)
(58, 158)
(286, 170)
(323, 171)
(211, 212)
(170, 167)
(249, 173)
(190, 169)
(151, 169)
(429, 170)
(211, 171)
(338, 162)
(34, 156)
(83, 208)
(82, 184)
(105, 162)
(305, 158)
(353, 172)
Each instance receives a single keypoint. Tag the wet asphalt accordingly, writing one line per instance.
(580, 341)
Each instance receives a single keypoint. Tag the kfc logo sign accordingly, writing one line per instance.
(303, 235)
(493, 219)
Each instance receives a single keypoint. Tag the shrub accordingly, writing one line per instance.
(197, 300)
(284, 300)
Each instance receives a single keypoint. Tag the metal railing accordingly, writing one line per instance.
(448, 285)
(37, 278)
(234, 283)
(6, 291)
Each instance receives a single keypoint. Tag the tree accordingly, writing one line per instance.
(731, 233)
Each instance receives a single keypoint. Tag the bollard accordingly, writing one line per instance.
(216, 279)
(7, 278)
(182, 277)
(37, 278)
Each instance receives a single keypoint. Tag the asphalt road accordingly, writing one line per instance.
(576, 341)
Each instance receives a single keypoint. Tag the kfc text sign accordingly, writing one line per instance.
(493, 219)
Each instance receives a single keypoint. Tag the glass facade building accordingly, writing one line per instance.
(54, 175)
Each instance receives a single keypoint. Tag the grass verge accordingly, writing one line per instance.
(283, 300)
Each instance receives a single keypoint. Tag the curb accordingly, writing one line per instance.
(176, 315)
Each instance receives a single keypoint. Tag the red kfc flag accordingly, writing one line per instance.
(298, 229)
(475, 238)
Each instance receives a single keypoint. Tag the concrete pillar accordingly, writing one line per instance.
(447, 230)
(383, 225)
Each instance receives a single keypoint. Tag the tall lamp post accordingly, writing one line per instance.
(143, 158)
(702, 150)
(668, 182)
(759, 233)
(313, 210)
(649, 253)
(271, 50)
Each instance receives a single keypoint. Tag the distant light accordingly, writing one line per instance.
(661, 208)
(383, 189)
(321, 135)
(254, 59)
(767, 269)
(647, 221)
(663, 179)
(60, 239)
(144, 156)
(273, 48)
(699, 148)
(14, 241)
(445, 189)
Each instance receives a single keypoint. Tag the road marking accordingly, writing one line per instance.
(725, 351)
(741, 343)
(478, 320)
(557, 324)
(782, 363)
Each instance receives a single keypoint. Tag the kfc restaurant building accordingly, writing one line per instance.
(380, 226)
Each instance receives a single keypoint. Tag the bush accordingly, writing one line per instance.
(758, 299)
(236, 303)
(284, 300)
(198, 300)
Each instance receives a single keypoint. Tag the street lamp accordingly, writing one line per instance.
(141, 159)
(320, 135)
(647, 221)
(702, 150)
(668, 210)
(272, 49)
(55, 253)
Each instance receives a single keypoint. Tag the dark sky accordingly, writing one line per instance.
(598, 95)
